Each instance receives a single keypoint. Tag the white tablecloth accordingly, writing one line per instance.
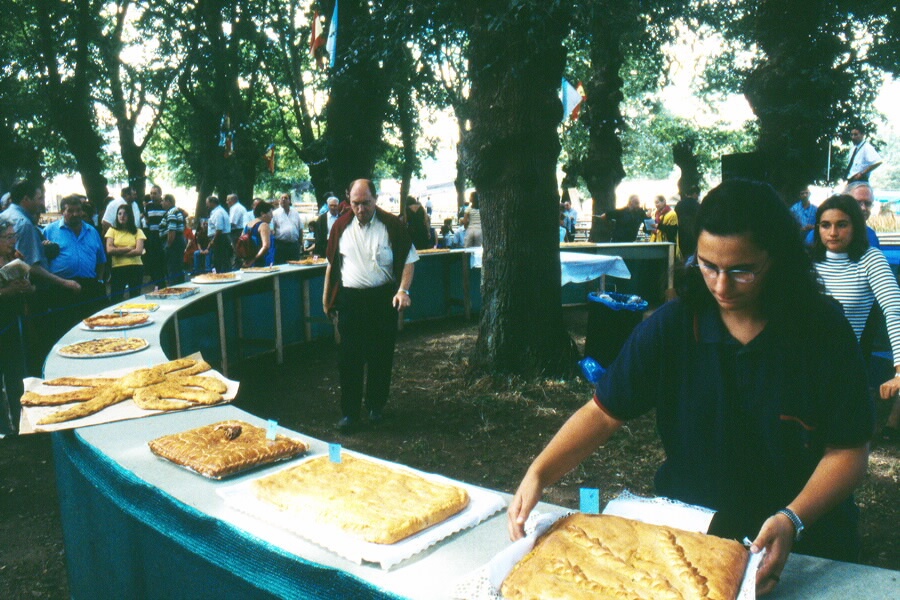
(577, 267)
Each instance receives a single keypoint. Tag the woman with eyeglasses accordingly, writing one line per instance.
(14, 288)
(758, 386)
(857, 276)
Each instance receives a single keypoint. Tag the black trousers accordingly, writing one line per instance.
(222, 254)
(367, 323)
(285, 251)
(175, 261)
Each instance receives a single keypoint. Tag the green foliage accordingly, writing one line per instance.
(648, 143)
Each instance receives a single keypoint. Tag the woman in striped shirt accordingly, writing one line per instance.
(857, 276)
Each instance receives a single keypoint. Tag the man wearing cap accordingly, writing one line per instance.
(324, 223)
(371, 261)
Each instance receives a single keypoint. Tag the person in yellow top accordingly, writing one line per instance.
(125, 245)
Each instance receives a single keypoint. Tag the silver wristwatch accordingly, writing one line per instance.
(798, 524)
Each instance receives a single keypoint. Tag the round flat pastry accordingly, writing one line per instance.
(260, 269)
(113, 346)
(115, 322)
(308, 261)
(216, 278)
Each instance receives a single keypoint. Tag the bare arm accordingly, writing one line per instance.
(112, 249)
(138, 249)
(326, 294)
(584, 432)
(401, 298)
(41, 274)
(839, 471)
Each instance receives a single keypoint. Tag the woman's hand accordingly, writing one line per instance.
(777, 537)
(527, 496)
(890, 388)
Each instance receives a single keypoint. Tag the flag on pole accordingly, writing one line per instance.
(571, 99)
(331, 44)
(314, 34)
(270, 158)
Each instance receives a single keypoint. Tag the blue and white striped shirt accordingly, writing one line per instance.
(857, 285)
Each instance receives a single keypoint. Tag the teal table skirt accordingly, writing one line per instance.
(127, 539)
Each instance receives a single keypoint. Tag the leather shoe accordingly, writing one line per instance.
(347, 425)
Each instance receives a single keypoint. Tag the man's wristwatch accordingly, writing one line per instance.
(402, 291)
(798, 524)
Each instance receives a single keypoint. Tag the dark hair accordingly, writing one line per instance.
(169, 198)
(126, 191)
(213, 199)
(859, 243)
(129, 226)
(752, 208)
(71, 199)
(261, 208)
(473, 199)
(23, 188)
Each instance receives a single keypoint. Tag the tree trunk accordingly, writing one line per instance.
(70, 105)
(794, 91)
(516, 62)
(460, 182)
(602, 167)
(407, 123)
(357, 104)
(683, 156)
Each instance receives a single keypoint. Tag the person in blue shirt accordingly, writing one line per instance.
(758, 387)
(804, 212)
(81, 258)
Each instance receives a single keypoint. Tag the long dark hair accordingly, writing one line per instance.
(752, 208)
(859, 242)
(129, 226)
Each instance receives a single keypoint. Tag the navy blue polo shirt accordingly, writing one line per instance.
(743, 426)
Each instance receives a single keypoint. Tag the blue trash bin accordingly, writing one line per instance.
(611, 319)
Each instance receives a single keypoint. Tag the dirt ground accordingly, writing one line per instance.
(484, 431)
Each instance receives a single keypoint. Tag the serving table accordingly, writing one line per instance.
(137, 526)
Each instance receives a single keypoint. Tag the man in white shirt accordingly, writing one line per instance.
(288, 228)
(371, 261)
(238, 217)
(109, 215)
(218, 228)
(324, 224)
(864, 159)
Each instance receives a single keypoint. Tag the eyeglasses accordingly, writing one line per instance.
(711, 273)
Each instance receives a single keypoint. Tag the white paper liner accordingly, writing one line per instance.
(484, 583)
(117, 412)
(482, 504)
(200, 280)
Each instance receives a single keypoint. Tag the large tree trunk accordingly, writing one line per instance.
(358, 102)
(460, 182)
(70, 105)
(602, 168)
(407, 122)
(793, 91)
(516, 60)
